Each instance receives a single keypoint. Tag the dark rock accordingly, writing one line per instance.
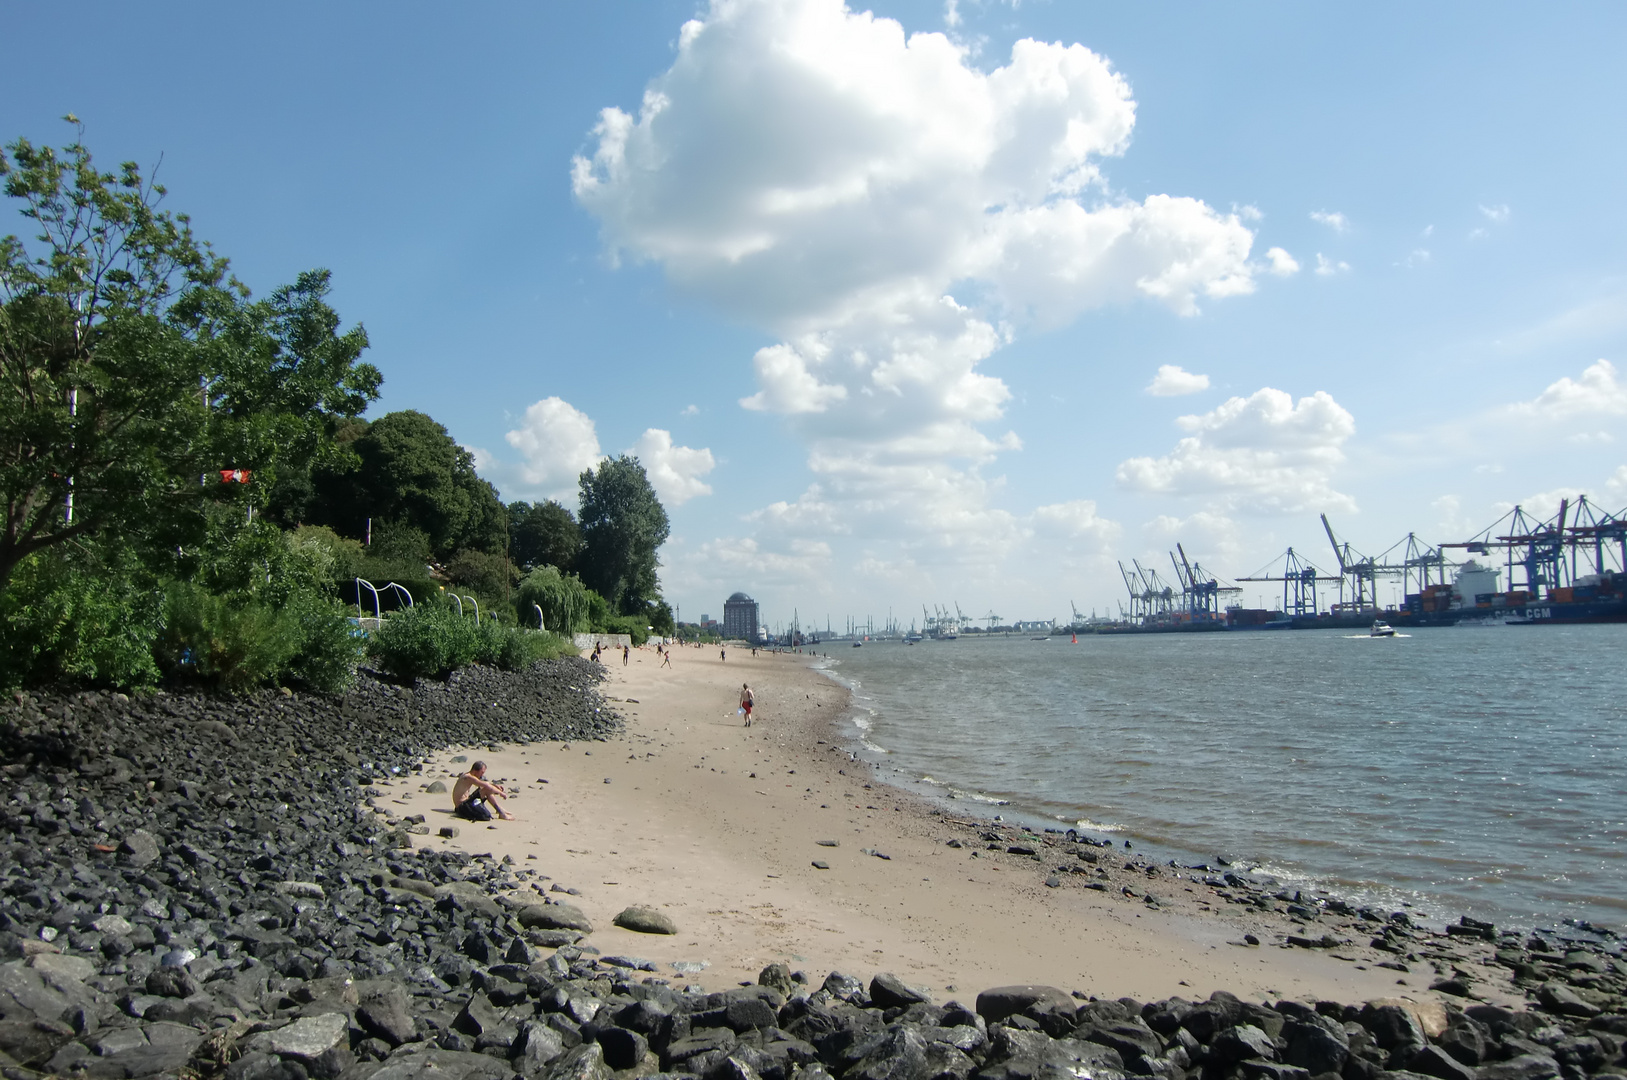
(320, 1043)
(1465, 1041)
(171, 982)
(1000, 1002)
(1315, 1043)
(1133, 1039)
(888, 991)
(623, 1049)
(586, 1062)
(478, 1016)
(385, 1010)
(1241, 1042)
(535, 1046)
(1561, 999)
(1436, 1062)
(139, 849)
(1523, 1067)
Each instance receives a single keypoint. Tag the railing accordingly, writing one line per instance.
(459, 601)
(378, 613)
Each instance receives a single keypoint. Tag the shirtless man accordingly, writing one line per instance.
(746, 702)
(473, 784)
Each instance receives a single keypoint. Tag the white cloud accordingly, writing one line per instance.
(1264, 453)
(1598, 392)
(1495, 214)
(675, 471)
(1417, 257)
(557, 441)
(1248, 212)
(814, 171)
(1327, 267)
(951, 13)
(690, 410)
(1333, 219)
(1174, 381)
(1282, 263)
(1616, 486)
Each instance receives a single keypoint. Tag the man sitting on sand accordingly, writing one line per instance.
(475, 798)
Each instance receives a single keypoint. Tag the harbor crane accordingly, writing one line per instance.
(1361, 571)
(1298, 579)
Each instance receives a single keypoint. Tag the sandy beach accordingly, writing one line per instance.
(764, 844)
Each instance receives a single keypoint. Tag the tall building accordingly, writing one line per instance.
(740, 617)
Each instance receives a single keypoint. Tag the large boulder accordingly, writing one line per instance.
(554, 917)
(644, 920)
(998, 1003)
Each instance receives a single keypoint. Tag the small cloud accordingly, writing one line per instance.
(1173, 381)
(951, 13)
(1332, 219)
(1429, 230)
(1478, 233)
(674, 471)
(1495, 214)
(1248, 212)
(691, 410)
(1418, 257)
(1281, 263)
(1327, 267)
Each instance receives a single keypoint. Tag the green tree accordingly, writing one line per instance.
(409, 472)
(131, 364)
(543, 535)
(623, 526)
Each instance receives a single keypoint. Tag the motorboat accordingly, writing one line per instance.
(1381, 629)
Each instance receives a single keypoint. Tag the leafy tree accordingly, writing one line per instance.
(131, 363)
(623, 526)
(543, 535)
(409, 472)
(487, 575)
(565, 601)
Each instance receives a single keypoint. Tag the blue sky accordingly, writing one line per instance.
(1440, 337)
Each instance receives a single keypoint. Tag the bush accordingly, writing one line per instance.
(73, 616)
(331, 645)
(565, 601)
(432, 642)
(235, 645)
(632, 625)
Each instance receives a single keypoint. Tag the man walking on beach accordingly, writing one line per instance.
(475, 798)
(625, 652)
(746, 702)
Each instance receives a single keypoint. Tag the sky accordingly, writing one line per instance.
(921, 302)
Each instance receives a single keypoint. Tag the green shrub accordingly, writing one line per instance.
(632, 625)
(331, 645)
(84, 616)
(344, 556)
(564, 600)
(488, 576)
(425, 642)
(232, 644)
(433, 641)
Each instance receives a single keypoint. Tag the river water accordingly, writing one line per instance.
(1460, 770)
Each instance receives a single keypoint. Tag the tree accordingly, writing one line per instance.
(543, 535)
(132, 364)
(409, 472)
(623, 525)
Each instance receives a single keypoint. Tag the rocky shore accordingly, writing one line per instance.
(200, 886)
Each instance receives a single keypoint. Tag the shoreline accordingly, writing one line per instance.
(720, 826)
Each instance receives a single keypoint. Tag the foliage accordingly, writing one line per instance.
(331, 645)
(408, 472)
(80, 615)
(432, 641)
(661, 619)
(343, 556)
(623, 525)
(132, 364)
(543, 535)
(631, 625)
(488, 576)
(233, 644)
(562, 597)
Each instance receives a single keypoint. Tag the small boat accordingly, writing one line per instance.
(858, 644)
(1381, 629)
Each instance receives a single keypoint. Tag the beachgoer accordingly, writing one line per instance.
(666, 658)
(476, 798)
(626, 651)
(723, 654)
(746, 702)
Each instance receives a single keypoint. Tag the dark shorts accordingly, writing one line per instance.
(474, 808)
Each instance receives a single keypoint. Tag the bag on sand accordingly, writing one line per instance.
(475, 808)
